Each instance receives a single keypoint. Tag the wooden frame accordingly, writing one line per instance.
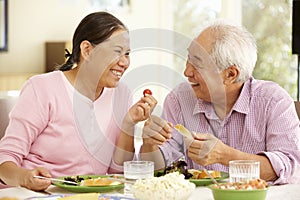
(3, 25)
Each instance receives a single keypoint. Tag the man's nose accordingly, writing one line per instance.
(188, 72)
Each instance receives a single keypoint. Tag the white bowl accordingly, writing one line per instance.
(172, 186)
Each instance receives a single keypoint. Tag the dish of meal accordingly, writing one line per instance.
(206, 180)
(198, 177)
(81, 196)
(253, 189)
(90, 183)
(171, 186)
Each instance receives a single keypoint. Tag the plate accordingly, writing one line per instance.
(200, 182)
(207, 181)
(81, 196)
(81, 189)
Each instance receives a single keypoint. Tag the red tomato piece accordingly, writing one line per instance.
(147, 92)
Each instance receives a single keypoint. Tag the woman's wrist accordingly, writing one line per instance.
(128, 125)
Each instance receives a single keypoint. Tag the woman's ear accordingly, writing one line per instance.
(231, 75)
(85, 49)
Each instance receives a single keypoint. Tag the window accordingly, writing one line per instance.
(270, 21)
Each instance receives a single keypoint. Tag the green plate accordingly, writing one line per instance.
(207, 181)
(81, 189)
(201, 182)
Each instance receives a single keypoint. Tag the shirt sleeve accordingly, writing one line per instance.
(25, 124)
(282, 141)
(173, 149)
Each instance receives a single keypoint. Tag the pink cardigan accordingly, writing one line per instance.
(44, 131)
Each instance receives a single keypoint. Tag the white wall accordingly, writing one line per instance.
(33, 22)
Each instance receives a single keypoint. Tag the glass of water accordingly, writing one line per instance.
(243, 170)
(134, 170)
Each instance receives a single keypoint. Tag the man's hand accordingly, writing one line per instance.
(206, 149)
(156, 131)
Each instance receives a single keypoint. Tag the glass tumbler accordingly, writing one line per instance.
(134, 170)
(243, 170)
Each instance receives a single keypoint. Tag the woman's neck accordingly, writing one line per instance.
(82, 85)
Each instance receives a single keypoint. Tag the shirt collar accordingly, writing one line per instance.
(242, 104)
(204, 107)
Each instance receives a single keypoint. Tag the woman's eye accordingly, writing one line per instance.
(118, 51)
(127, 53)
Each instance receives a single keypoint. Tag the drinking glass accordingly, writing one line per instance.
(134, 170)
(243, 170)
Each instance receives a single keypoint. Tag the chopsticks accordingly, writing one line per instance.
(211, 177)
(55, 179)
(122, 180)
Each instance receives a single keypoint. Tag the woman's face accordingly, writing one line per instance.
(115, 58)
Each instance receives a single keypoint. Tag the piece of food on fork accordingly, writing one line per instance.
(184, 131)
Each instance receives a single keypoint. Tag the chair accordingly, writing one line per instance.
(7, 101)
(297, 105)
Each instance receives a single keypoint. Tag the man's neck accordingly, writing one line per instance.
(232, 94)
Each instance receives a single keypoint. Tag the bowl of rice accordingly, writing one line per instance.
(171, 186)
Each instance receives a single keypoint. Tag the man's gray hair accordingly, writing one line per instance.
(233, 45)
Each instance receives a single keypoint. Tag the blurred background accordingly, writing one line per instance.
(35, 33)
(39, 31)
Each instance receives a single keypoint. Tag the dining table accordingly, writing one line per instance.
(277, 192)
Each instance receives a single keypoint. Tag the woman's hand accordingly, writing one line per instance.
(12, 175)
(143, 108)
(27, 179)
(139, 112)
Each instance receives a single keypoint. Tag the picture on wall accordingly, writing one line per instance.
(3, 25)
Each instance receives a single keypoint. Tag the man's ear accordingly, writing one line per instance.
(231, 74)
(85, 49)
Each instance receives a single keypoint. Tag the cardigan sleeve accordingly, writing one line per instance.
(27, 119)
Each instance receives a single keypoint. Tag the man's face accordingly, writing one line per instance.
(201, 71)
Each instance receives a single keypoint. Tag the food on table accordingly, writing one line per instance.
(85, 196)
(200, 174)
(147, 92)
(89, 181)
(93, 196)
(98, 182)
(76, 179)
(178, 166)
(181, 167)
(184, 131)
(248, 185)
(171, 186)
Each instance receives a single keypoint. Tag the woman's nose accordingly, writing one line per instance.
(124, 61)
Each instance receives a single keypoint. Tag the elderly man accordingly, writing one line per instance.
(233, 116)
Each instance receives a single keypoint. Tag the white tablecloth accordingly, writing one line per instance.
(283, 192)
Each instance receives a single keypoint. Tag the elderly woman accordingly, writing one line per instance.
(78, 119)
